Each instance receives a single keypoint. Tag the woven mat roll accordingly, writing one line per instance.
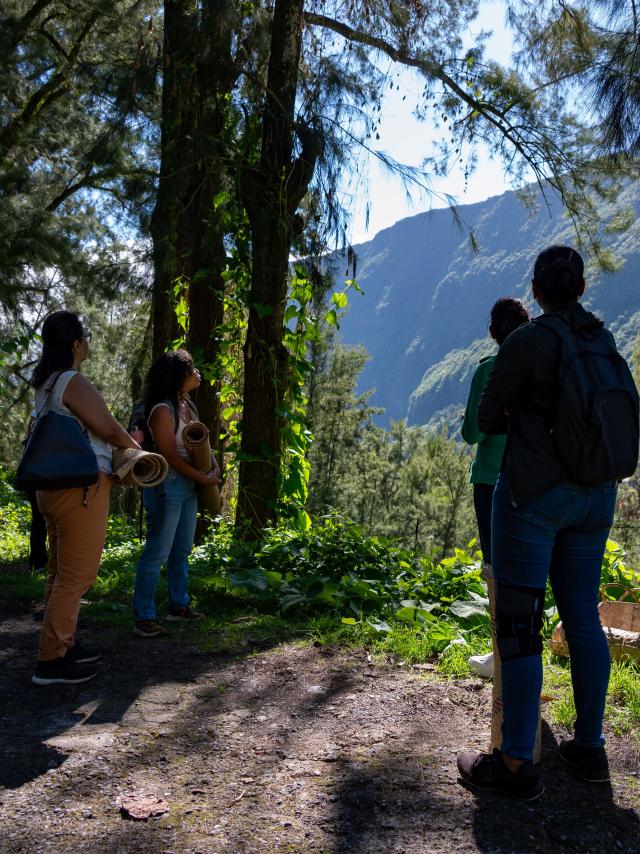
(196, 440)
(138, 468)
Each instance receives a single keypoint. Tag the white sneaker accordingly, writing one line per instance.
(481, 665)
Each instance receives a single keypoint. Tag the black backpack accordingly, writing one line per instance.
(595, 431)
(138, 419)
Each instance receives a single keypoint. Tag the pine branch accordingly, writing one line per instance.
(68, 191)
(53, 41)
(54, 88)
(25, 22)
(532, 151)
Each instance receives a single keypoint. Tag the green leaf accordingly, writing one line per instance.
(291, 312)
(349, 621)
(467, 610)
(315, 589)
(292, 599)
(379, 626)
(340, 300)
(253, 578)
(332, 318)
(303, 521)
(410, 614)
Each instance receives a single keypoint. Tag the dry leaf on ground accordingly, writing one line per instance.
(140, 806)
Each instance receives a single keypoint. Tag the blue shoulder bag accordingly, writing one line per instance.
(58, 453)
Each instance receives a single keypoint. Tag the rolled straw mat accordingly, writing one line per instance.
(196, 440)
(138, 468)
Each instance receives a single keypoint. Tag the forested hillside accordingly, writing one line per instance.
(427, 295)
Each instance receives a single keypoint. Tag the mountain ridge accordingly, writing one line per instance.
(427, 295)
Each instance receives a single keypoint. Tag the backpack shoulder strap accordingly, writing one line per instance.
(557, 325)
(193, 409)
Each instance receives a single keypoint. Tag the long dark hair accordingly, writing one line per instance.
(60, 331)
(507, 314)
(165, 378)
(558, 274)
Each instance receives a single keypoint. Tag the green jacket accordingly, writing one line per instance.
(486, 466)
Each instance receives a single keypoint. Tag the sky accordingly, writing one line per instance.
(407, 140)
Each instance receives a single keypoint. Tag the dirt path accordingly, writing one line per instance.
(293, 750)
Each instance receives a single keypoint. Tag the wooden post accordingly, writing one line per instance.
(496, 702)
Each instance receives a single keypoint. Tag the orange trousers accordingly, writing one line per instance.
(76, 538)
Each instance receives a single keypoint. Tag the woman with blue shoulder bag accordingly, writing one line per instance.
(76, 516)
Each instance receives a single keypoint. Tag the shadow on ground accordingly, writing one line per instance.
(296, 749)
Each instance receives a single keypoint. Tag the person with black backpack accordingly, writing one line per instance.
(172, 505)
(568, 403)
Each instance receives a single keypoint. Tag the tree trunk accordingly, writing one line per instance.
(169, 247)
(188, 235)
(271, 194)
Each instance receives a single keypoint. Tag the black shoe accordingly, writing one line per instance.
(81, 654)
(63, 671)
(590, 763)
(488, 771)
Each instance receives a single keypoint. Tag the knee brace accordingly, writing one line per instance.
(518, 620)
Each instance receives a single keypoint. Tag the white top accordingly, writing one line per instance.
(182, 451)
(101, 448)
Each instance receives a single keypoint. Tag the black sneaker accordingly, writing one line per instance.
(81, 654)
(63, 671)
(590, 763)
(488, 771)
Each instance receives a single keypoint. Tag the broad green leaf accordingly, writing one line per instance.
(467, 610)
(339, 300)
(379, 626)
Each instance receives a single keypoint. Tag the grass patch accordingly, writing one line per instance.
(557, 684)
(453, 660)
(623, 701)
(22, 585)
(622, 710)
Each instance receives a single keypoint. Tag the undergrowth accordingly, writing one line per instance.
(329, 585)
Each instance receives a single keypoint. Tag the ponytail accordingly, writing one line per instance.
(60, 331)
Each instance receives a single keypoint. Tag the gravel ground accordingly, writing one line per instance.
(292, 749)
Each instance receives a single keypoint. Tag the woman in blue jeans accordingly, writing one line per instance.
(545, 525)
(171, 507)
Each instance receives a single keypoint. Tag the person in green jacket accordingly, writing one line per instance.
(506, 315)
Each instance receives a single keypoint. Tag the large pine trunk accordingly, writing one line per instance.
(188, 236)
(271, 194)
(170, 247)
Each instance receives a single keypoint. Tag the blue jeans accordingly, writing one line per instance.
(562, 536)
(171, 525)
